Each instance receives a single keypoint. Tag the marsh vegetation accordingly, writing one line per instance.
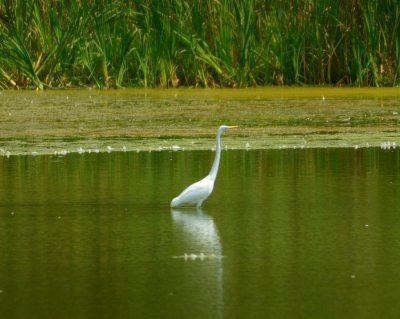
(224, 43)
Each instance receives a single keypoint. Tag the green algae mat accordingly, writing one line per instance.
(65, 121)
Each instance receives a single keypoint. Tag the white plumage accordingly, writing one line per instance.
(197, 193)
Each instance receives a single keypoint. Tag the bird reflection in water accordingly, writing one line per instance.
(201, 244)
(200, 232)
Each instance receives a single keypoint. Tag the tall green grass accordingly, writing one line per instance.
(228, 43)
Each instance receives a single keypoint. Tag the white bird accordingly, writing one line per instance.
(198, 192)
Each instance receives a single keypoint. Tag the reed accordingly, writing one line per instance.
(227, 43)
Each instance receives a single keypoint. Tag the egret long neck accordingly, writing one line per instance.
(215, 165)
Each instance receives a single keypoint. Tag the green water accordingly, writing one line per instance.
(310, 233)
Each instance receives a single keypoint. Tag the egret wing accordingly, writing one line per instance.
(196, 192)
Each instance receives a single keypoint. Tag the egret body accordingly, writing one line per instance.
(197, 193)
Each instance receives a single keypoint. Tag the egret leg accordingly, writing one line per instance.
(199, 203)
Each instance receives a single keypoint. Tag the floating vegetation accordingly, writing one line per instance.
(338, 140)
(5, 153)
(176, 148)
(61, 153)
(388, 145)
(200, 257)
(162, 120)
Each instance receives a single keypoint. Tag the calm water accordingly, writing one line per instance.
(310, 233)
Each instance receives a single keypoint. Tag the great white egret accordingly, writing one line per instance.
(197, 193)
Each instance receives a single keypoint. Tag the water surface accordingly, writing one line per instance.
(305, 233)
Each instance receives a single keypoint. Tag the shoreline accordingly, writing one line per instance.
(51, 147)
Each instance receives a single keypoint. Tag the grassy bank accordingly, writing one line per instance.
(224, 43)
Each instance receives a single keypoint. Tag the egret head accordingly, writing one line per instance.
(224, 128)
